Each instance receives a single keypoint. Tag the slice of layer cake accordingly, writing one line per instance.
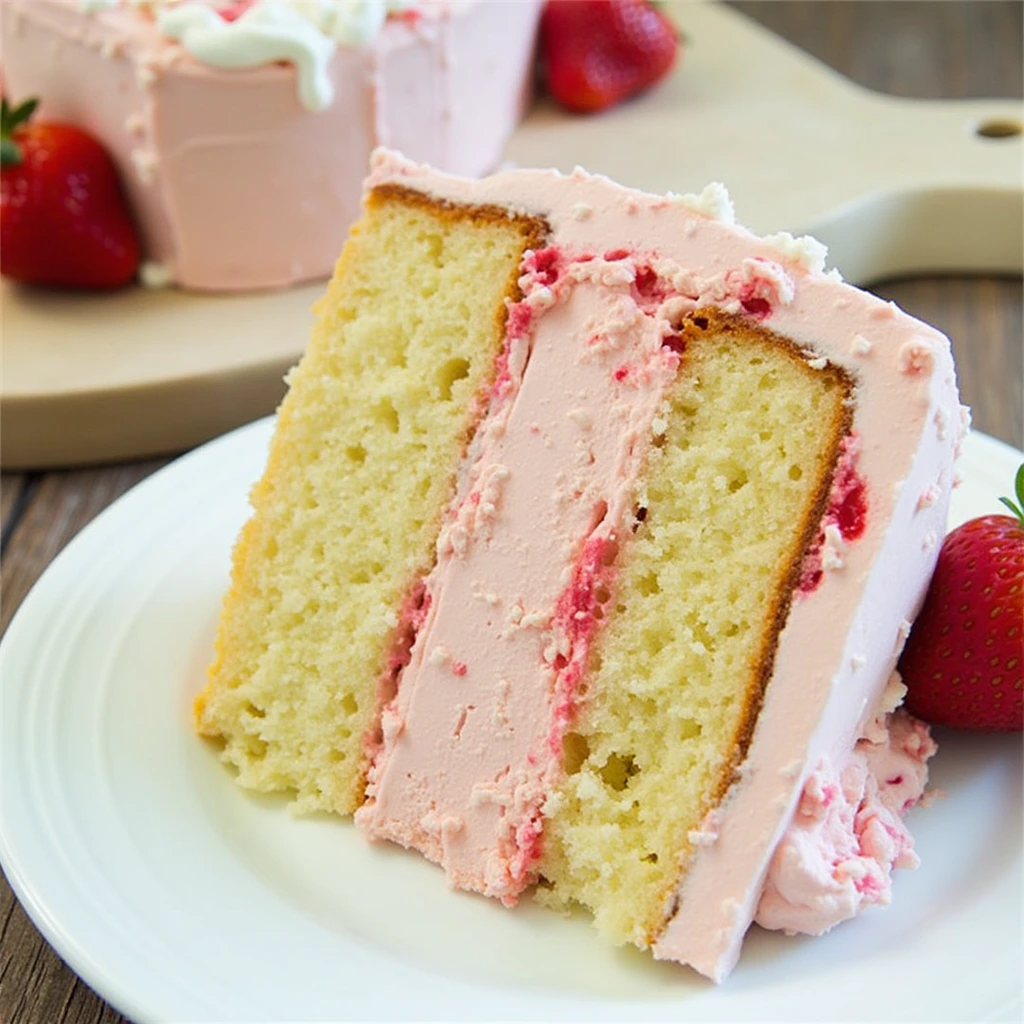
(590, 534)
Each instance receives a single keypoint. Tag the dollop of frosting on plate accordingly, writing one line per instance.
(848, 836)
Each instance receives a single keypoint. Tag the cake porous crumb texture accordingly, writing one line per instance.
(732, 493)
(361, 467)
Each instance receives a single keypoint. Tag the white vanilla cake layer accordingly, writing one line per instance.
(233, 182)
(841, 639)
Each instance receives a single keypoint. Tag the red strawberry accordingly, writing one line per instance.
(963, 661)
(63, 218)
(232, 10)
(599, 52)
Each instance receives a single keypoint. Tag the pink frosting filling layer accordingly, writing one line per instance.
(524, 561)
(467, 755)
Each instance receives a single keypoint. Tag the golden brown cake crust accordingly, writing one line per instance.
(711, 320)
(536, 229)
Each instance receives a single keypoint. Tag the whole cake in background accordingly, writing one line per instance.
(242, 129)
(591, 530)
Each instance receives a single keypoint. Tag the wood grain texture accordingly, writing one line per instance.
(13, 496)
(983, 319)
(60, 505)
(962, 49)
(918, 49)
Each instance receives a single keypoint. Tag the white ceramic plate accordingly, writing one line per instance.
(179, 897)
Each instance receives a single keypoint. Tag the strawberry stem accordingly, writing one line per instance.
(1017, 508)
(12, 118)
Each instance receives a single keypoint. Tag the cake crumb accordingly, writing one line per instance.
(488, 793)
(439, 655)
(916, 356)
(713, 202)
(535, 620)
(706, 834)
(965, 427)
(860, 345)
(928, 497)
(732, 909)
(540, 298)
(582, 418)
(134, 123)
(145, 162)
(832, 549)
(452, 825)
(805, 251)
(153, 274)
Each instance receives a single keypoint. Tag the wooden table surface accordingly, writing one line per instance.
(919, 49)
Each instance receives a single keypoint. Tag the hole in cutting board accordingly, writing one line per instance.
(998, 128)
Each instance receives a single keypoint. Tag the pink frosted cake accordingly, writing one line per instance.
(591, 531)
(243, 128)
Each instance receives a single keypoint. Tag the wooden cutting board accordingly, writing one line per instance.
(890, 185)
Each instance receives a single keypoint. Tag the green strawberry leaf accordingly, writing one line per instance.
(1017, 508)
(11, 118)
(10, 155)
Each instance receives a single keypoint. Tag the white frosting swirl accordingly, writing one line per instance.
(305, 33)
(268, 31)
(106, 5)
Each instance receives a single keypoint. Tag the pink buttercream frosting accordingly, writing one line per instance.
(844, 520)
(518, 606)
(848, 835)
(467, 759)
